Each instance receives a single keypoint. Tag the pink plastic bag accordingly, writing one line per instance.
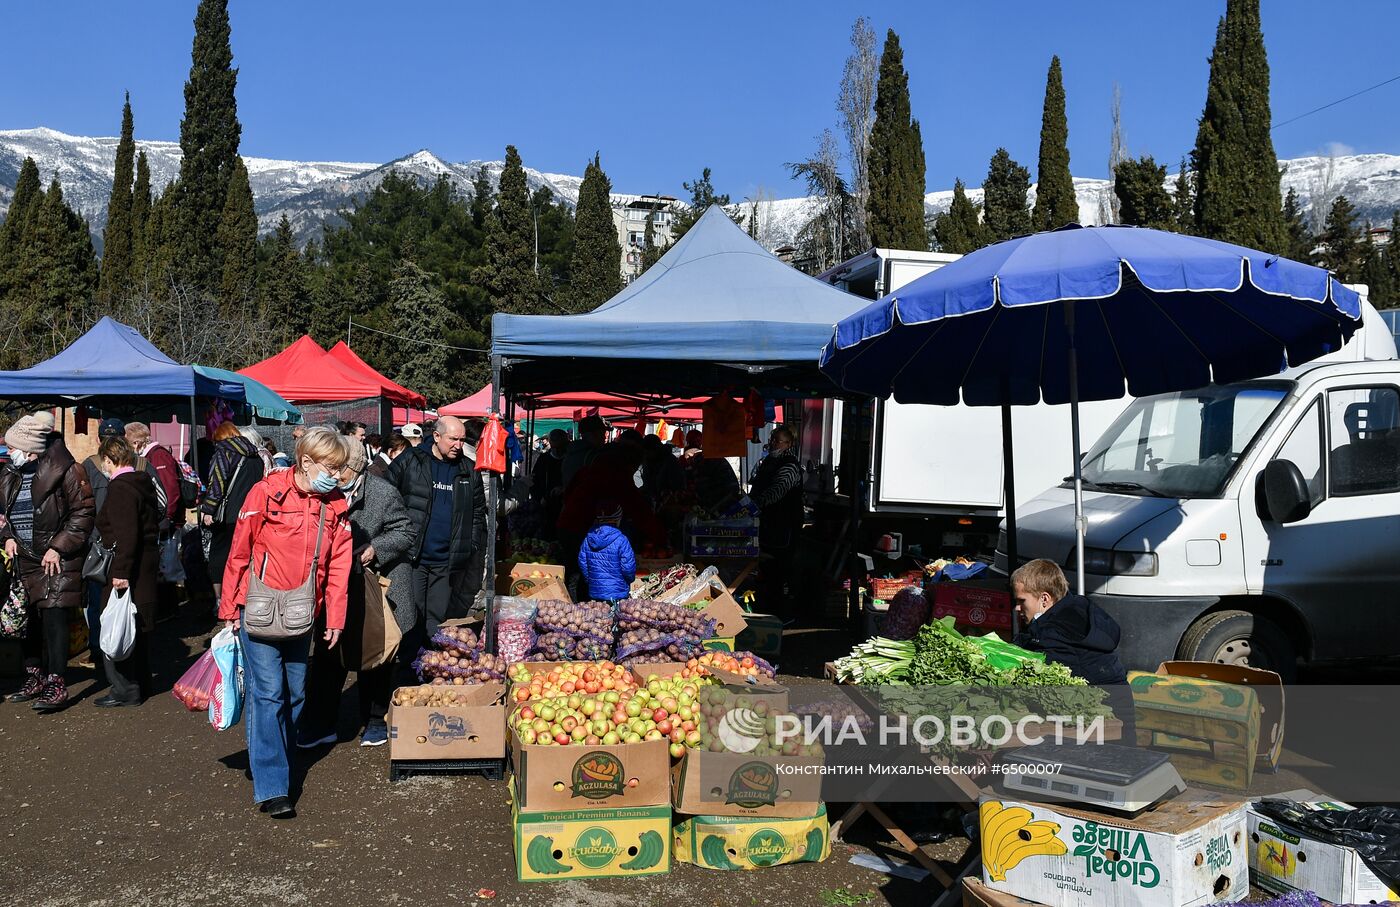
(196, 686)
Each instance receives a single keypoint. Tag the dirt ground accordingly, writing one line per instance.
(151, 806)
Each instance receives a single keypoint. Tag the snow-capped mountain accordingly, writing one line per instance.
(312, 193)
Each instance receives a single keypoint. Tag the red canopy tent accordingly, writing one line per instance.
(394, 391)
(577, 405)
(305, 373)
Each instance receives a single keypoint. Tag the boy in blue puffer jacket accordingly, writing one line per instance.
(605, 558)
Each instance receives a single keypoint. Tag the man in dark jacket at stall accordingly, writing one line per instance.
(777, 491)
(1072, 631)
(447, 507)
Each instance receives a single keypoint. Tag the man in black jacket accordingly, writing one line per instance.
(1072, 631)
(447, 506)
(777, 490)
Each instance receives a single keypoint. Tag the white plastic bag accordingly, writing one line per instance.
(118, 636)
(226, 705)
(172, 568)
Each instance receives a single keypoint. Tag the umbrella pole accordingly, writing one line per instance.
(1078, 462)
(1008, 466)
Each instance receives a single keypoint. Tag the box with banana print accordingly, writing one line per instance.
(558, 845)
(737, 842)
(1180, 853)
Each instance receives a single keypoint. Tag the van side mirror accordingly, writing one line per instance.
(1286, 493)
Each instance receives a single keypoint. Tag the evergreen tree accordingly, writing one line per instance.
(651, 251)
(959, 230)
(140, 212)
(1055, 201)
(702, 196)
(28, 196)
(1392, 257)
(1341, 242)
(596, 272)
(57, 264)
(209, 137)
(282, 285)
(482, 198)
(1237, 195)
(117, 234)
(555, 230)
(508, 271)
(1143, 199)
(237, 242)
(158, 242)
(419, 310)
(1184, 201)
(1004, 211)
(895, 215)
(1300, 239)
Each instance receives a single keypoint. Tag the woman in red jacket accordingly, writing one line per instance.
(290, 523)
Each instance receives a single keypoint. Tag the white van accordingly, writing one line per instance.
(1255, 523)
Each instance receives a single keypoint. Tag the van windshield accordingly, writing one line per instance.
(1182, 445)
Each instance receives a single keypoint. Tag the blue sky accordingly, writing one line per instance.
(664, 89)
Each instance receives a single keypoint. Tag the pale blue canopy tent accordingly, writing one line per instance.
(263, 402)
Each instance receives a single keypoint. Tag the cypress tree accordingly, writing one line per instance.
(959, 230)
(58, 261)
(1374, 272)
(595, 275)
(1004, 211)
(237, 242)
(158, 249)
(896, 206)
(209, 136)
(508, 271)
(1184, 201)
(1300, 240)
(117, 234)
(651, 251)
(28, 196)
(140, 213)
(1237, 196)
(1341, 241)
(1392, 255)
(419, 309)
(1143, 199)
(482, 198)
(1055, 201)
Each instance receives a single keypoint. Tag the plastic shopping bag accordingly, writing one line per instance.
(226, 705)
(172, 568)
(118, 636)
(195, 688)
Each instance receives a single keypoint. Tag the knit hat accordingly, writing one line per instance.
(30, 433)
(609, 512)
(356, 461)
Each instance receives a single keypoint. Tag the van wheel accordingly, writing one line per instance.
(1240, 638)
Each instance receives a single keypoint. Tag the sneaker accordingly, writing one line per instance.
(328, 740)
(33, 686)
(376, 734)
(53, 696)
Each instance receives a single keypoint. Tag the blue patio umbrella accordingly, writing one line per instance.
(1089, 314)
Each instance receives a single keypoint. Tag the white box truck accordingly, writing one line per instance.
(1255, 523)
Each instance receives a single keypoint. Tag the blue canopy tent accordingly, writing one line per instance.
(716, 310)
(113, 368)
(1087, 314)
(262, 401)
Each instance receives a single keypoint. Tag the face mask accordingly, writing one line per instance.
(324, 483)
(19, 457)
(348, 487)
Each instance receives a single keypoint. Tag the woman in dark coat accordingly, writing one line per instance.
(237, 466)
(129, 524)
(48, 508)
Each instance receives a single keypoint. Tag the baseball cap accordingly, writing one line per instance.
(111, 427)
(412, 430)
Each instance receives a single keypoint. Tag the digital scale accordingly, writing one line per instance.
(1123, 779)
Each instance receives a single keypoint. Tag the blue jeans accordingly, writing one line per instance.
(274, 688)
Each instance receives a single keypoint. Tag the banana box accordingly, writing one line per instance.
(1219, 704)
(560, 845)
(1283, 859)
(718, 644)
(588, 777)
(732, 842)
(746, 784)
(1218, 764)
(1184, 852)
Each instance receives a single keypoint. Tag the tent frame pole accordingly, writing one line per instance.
(194, 448)
(1078, 459)
(1008, 469)
(493, 486)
